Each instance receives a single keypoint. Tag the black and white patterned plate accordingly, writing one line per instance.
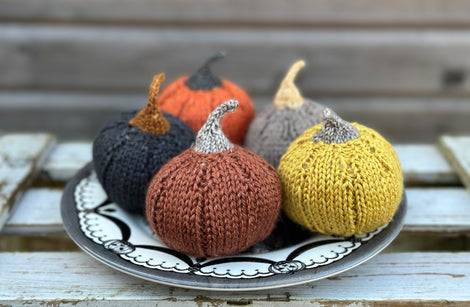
(290, 256)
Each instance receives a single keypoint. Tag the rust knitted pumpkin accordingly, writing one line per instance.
(132, 146)
(193, 98)
(215, 198)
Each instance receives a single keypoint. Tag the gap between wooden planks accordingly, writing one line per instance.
(430, 210)
(441, 211)
(457, 151)
(21, 156)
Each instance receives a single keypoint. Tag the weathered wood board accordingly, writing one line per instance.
(65, 161)
(38, 214)
(260, 12)
(347, 62)
(74, 278)
(457, 150)
(421, 164)
(21, 156)
(424, 164)
(439, 211)
(79, 116)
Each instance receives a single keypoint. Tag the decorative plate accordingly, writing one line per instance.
(288, 257)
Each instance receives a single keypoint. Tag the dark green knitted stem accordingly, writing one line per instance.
(210, 137)
(204, 79)
(335, 130)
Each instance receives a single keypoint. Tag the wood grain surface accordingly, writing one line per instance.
(74, 278)
(21, 156)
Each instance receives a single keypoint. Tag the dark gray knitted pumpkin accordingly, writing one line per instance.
(279, 124)
(133, 146)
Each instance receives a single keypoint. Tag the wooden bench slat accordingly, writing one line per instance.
(21, 156)
(430, 210)
(424, 164)
(259, 12)
(65, 160)
(72, 277)
(421, 164)
(441, 210)
(457, 151)
(345, 62)
(79, 116)
(38, 213)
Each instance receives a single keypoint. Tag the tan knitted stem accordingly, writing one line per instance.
(335, 130)
(210, 137)
(150, 119)
(288, 96)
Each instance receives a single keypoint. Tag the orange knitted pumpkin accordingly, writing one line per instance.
(193, 98)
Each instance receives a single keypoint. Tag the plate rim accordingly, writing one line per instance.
(375, 245)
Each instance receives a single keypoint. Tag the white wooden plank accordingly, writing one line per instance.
(259, 12)
(65, 160)
(424, 164)
(400, 62)
(21, 156)
(440, 211)
(421, 164)
(74, 277)
(457, 151)
(38, 213)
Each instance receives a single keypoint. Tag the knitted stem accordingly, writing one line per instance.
(210, 137)
(288, 95)
(335, 129)
(150, 119)
(204, 79)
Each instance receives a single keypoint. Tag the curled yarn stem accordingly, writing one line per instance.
(210, 137)
(204, 79)
(288, 95)
(335, 130)
(150, 119)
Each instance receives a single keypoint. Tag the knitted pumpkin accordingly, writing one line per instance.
(193, 98)
(340, 178)
(279, 124)
(133, 146)
(215, 198)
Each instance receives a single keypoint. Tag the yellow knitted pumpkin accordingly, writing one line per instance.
(340, 178)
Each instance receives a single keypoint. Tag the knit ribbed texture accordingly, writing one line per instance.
(126, 158)
(214, 199)
(210, 137)
(133, 146)
(150, 119)
(341, 189)
(193, 98)
(335, 130)
(279, 124)
(214, 205)
(273, 130)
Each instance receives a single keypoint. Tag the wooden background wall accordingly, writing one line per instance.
(401, 67)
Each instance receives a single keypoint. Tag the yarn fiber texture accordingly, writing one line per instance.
(341, 189)
(216, 198)
(193, 106)
(225, 202)
(126, 158)
(273, 129)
